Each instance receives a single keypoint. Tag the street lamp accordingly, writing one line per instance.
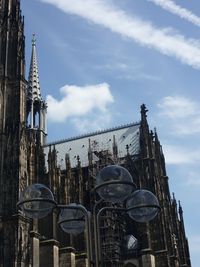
(36, 201)
(114, 185)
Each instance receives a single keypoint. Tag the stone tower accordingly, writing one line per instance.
(21, 138)
(13, 150)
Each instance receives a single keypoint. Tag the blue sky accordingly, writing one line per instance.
(100, 60)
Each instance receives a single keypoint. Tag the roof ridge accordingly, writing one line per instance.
(90, 134)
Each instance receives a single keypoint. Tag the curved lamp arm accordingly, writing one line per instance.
(87, 216)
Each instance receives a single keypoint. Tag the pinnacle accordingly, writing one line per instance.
(33, 80)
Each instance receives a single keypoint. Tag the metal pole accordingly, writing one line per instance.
(96, 235)
(88, 238)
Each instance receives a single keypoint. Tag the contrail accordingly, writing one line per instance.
(105, 14)
(183, 13)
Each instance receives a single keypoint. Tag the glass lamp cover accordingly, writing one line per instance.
(36, 209)
(140, 201)
(114, 193)
(73, 219)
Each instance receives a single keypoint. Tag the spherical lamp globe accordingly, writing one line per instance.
(114, 183)
(72, 219)
(142, 206)
(36, 201)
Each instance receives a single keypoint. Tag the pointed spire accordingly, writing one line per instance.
(143, 111)
(180, 210)
(155, 134)
(174, 202)
(90, 154)
(36, 106)
(115, 149)
(33, 80)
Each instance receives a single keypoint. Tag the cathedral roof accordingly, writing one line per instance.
(126, 136)
(33, 80)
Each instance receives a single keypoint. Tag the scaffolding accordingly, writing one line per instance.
(112, 229)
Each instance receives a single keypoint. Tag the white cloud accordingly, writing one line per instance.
(181, 114)
(79, 101)
(113, 66)
(190, 127)
(178, 10)
(176, 155)
(109, 16)
(176, 107)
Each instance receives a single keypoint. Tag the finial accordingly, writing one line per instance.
(180, 208)
(174, 199)
(155, 134)
(151, 134)
(33, 39)
(144, 110)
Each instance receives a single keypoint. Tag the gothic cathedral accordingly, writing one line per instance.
(69, 168)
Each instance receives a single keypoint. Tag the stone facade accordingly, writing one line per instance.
(69, 168)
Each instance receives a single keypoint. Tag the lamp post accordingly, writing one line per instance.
(114, 185)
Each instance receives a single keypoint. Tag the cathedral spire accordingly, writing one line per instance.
(33, 80)
(36, 106)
